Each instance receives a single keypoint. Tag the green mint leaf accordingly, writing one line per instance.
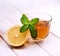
(33, 31)
(34, 21)
(24, 19)
(24, 28)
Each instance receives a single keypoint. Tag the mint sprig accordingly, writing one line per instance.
(29, 24)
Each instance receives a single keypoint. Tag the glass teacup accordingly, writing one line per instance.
(42, 26)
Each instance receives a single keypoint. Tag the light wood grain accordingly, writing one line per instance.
(5, 50)
(49, 47)
(51, 44)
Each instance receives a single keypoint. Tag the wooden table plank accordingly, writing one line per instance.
(31, 50)
(51, 44)
(5, 50)
(13, 16)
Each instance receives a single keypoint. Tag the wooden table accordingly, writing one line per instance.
(10, 15)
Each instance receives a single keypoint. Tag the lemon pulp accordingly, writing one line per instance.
(15, 37)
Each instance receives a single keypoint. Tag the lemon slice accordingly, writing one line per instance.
(15, 37)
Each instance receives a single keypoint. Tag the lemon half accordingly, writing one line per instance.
(15, 37)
